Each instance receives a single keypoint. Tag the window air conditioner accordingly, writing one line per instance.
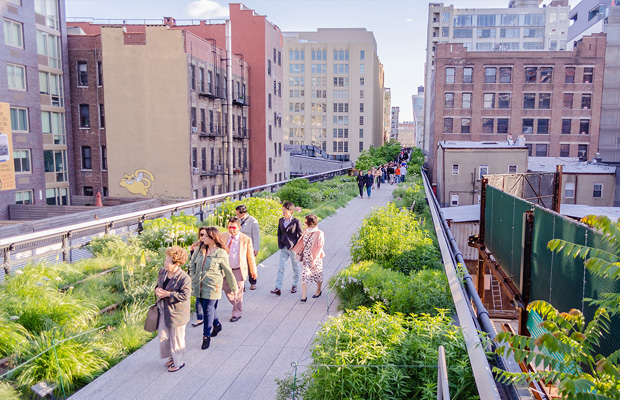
(194, 129)
(195, 171)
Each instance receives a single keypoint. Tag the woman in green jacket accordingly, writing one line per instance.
(207, 267)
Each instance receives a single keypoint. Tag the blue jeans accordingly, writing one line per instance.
(402, 178)
(285, 254)
(210, 308)
(397, 178)
(368, 189)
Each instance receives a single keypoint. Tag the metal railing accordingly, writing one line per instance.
(443, 386)
(66, 243)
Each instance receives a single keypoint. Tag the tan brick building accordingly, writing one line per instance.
(552, 98)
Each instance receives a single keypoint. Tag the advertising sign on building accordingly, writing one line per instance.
(7, 168)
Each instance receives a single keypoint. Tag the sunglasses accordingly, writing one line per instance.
(203, 234)
(233, 227)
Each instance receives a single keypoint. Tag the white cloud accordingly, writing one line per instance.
(408, 20)
(206, 9)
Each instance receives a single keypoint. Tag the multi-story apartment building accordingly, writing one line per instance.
(394, 123)
(387, 109)
(162, 129)
(260, 44)
(33, 54)
(406, 133)
(524, 25)
(551, 98)
(418, 116)
(334, 90)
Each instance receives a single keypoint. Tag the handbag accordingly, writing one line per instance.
(152, 319)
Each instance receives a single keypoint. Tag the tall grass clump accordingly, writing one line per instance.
(395, 239)
(365, 283)
(8, 392)
(402, 351)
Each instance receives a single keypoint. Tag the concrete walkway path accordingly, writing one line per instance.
(246, 357)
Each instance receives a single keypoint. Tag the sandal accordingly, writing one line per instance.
(170, 362)
(175, 369)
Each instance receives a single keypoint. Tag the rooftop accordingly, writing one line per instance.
(570, 165)
(454, 144)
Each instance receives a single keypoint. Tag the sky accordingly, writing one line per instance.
(399, 26)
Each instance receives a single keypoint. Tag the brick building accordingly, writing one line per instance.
(162, 130)
(551, 98)
(34, 81)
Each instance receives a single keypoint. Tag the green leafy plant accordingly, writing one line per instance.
(267, 211)
(388, 234)
(376, 156)
(178, 230)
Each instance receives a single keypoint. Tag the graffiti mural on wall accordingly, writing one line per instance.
(137, 182)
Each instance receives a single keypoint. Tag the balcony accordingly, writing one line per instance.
(240, 100)
(213, 131)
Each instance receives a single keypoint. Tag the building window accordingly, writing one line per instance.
(529, 149)
(505, 75)
(586, 101)
(455, 169)
(588, 75)
(450, 75)
(566, 125)
(544, 101)
(503, 100)
(489, 100)
(447, 125)
(104, 158)
(487, 125)
(468, 75)
(582, 152)
(543, 126)
(568, 101)
(598, 190)
(192, 76)
(584, 126)
(569, 75)
(54, 123)
(51, 85)
(19, 119)
(512, 169)
(465, 125)
(279, 63)
(269, 67)
(449, 100)
(529, 101)
(84, 116)
(530, 74)
(87, 159)
(270, 164)
(82, 73)
(88, 191)
(527, 126)
(361, 68)
(361, 120)
(16, 75)
(565, 150)
(483, 170)
(279, 89)
(569, 190)
(541, 150)
(21, 159)
(489, 74)
(192, 116)
(361, 133)
(502, 125)
(361, 107)
(361, 146)
(546, 75)
(269, 100)
(361, 81)
(48, 45)
(269, 131)
(23, 197)
(362, 55)
(362, 94)
(13, 34)
(99, 74)
(454, 200)
(466, 100)
(101, 116)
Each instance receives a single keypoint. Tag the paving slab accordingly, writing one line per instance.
(245, 359)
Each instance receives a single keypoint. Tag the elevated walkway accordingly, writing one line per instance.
(247, 356)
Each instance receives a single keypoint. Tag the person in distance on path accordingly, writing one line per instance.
(289, 232)
(361, 181)
(369, 180)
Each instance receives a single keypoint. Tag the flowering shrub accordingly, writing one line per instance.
(394, 238)
(266, 211)
(178, 230)
(365, 283)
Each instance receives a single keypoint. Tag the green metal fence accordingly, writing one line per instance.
(561, 280)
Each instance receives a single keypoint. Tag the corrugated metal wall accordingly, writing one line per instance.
(462, 231)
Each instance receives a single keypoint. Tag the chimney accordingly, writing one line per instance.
(169, 21)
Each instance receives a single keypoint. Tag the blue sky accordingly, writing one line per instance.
(399, 26)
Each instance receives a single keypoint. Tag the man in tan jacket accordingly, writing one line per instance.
(242, 262)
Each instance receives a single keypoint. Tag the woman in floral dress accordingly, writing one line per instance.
(310, 248)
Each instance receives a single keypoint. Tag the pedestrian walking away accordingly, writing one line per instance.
(242, 263)
(249, 227)
(207, 271)
(310, 249)
(174, 304)
(289, 232)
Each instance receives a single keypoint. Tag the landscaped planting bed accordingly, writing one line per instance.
(397, 310)
(68, 323)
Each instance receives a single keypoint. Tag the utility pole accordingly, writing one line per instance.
(229, 101)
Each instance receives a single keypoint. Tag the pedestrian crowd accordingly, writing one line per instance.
(222, 262)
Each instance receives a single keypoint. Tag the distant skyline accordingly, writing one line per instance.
(399, 26)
